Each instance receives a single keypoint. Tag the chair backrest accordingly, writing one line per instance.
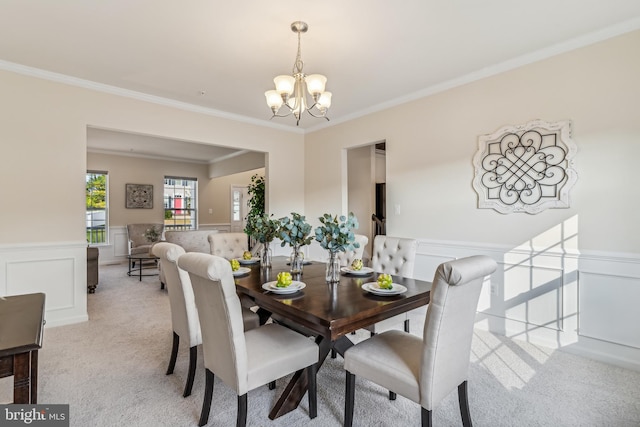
(184, 314)
(135, 233)
(223, 342)
(394, 255)
(191, 240)
(228, 245)
(448, 327)
(347, 257)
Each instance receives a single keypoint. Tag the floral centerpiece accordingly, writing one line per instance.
(295, 231)
(264, 230)
(336, 235)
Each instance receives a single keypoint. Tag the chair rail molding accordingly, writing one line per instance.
(525, 168)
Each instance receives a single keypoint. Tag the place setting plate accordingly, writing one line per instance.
(372, 287)
(364, 271)
(241, 271)
(294, 287)
(253, 260)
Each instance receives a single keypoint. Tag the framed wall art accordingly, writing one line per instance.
(525, 168)
(139, 196)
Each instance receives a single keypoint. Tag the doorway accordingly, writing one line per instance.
(239, 208)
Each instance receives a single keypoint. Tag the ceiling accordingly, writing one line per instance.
(219, 57)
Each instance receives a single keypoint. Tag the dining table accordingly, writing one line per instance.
(327, 311)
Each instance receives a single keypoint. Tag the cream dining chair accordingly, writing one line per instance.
(347, 257)
(228, 245)
(426, 370)
(242, 360)
(184, 315)
(395, 256)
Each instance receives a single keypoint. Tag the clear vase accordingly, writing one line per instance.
(265, 255)
(333, 268)
(296, 260)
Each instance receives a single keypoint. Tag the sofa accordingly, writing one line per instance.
(92, 269)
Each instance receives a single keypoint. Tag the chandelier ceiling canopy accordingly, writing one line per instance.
(289, 96)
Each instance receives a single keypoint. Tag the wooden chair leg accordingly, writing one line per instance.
(463, 400)
(312, 390)
(349, 398)
(392, 395)
(406, 325)
(426, 418)
(242, 411)
(193, 359)
(272, 385)
(174, 353)
(333, 353)
(208, 394)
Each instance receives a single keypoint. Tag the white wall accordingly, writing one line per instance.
(567, 276)
(43, 132)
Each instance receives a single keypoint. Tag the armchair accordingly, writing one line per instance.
(137, 242)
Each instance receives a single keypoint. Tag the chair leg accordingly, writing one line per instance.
(193, 359)
(392, 395)
(333, 353)
(348, 399)
(242, 411)
(208, 394)
(463, 400)
(426, 417)
(174, 353)
(406, 325)
(272, 385)
(312, 390)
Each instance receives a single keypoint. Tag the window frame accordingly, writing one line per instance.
(191, 203)
(90, 219)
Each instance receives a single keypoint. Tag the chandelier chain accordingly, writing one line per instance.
(299, 64)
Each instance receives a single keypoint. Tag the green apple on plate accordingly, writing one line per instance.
(235, 265)
(246, 255)
(356, 265)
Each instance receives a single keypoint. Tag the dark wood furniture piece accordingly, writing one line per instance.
(92, 269)
(21, 326)
(145, 261)
(328, 312)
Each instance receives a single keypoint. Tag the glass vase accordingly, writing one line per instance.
(296, 260)
(333, 268)
(265, 255)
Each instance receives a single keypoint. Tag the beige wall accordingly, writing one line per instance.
(431, 142)
(43, 133)
(218, 192)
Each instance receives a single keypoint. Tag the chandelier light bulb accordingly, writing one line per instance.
(274, 100)
(315, 84)
(284, 84)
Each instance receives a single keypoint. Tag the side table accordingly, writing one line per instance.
(21, 327)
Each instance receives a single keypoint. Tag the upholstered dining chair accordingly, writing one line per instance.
(242, 360)
(228, 245)
(395, 256)
(184, 315)
(426, 370)
(347, 257)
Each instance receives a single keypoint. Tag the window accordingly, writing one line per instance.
(97, 224)
(180, 203)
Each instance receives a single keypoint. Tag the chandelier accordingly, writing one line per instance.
(289, 94)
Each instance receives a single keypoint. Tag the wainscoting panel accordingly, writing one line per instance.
(57, 270)
(599, 292)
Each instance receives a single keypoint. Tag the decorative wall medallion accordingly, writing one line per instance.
(139, 196)
(525, 168)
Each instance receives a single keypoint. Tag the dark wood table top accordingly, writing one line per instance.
(331, 310)
(21, 323)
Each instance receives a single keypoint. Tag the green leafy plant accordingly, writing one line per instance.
(336, 233)
(295, 230)
(262, 228)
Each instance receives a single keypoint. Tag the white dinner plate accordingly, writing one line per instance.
(364, 271)
(241, 271)
(374, 289)
(249, 261)
(295, 286)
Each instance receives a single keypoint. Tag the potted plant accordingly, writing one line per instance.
(264, 230)
(336, 235)
(295, 231)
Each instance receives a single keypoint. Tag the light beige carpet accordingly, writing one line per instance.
(110, 370)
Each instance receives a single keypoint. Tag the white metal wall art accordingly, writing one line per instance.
(525, 168)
